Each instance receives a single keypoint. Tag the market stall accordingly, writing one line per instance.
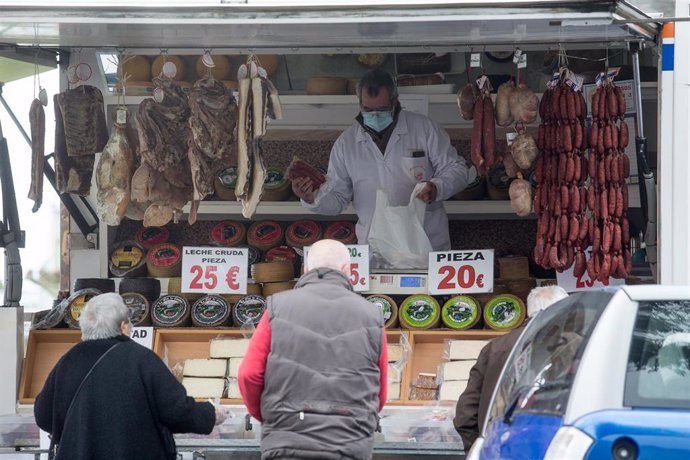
(141, 65)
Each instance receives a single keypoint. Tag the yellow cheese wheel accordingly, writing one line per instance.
(271, 272)
(269, 62)
(220, 72)
(321, 86)
(138, 68)
(157, 66)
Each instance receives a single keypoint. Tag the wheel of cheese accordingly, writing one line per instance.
(100, 284)
(128, 259)
(150, 288)
(228, 233)
(157, 67)
(343, 231)
(164, 261)
(498, 183)
(269, 62)
(504, 312)
(54, 318)
(170, 311)
(248, 310)
(460, 312)
(277, 185)
(323, 86)
(76, 303)
(211, 311)
(139, 308)
(252, 289)
(175, 287)
(419, 312)
(255, 255)
(271, 272)
(282, 253)
(273, 288)
(265, 234)
(224, 183)
(474, 191)
(221, 71)
(388, 307)
(302, 233)
(152, 236)
(137, 67)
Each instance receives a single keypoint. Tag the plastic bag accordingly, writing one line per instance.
(397, 238)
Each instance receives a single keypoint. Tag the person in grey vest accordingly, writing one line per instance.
(315, 372)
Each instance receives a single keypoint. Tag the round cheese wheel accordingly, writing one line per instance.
(322, 86)
(53, 318)
(164, 260)
(180, 67)
(273, 288)
(343, 231)
(170, 311)
(302, 233)
(504, 312)
(276, 185)
(248, 310)
(419, 312)
(460, 312)
(269, 62)
(139, 308)
(76, 303)
(476, 190)
(211, 311)
(284, 253)
(150, 288)
(271, 272)
(137, 67)
(100, 284)
(255, 255)
(151, 236)
(221, 71)
(228, 233)
(388, 307)
(252, 289)
(128, 258)
(224, 183)
(265, 234)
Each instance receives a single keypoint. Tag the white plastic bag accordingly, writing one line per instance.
(397, 238)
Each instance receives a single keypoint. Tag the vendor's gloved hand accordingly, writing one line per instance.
(221, 414)
(304, 189)
(428, 193)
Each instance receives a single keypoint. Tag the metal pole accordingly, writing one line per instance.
(637, 94)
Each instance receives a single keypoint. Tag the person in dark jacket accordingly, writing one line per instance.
(473, 403)
(129, 404)
(315, 373)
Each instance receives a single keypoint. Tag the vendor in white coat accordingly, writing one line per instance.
(393, 150)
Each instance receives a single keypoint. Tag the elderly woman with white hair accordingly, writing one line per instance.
(110, 398)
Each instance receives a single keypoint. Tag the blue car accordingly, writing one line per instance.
(599, 375)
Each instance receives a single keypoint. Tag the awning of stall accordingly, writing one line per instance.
(302, 26)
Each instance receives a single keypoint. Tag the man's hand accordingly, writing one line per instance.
(221, 414)
(428, 193)
(304, 189)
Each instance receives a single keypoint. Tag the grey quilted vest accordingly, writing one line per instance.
(320, 397)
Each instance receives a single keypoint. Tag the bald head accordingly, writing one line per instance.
(328, 254)
(543, 297)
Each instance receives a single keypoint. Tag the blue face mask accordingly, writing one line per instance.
(378, 121)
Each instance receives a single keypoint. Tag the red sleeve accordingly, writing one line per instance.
(383, 368)
(250, 376)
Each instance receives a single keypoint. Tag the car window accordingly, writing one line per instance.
(658, 373)
(539, 374)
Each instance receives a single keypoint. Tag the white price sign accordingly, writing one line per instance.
(461, 272)
(568, 281)
(359, 265)
(143, 336)
(214, 270)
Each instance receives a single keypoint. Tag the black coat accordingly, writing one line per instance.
(127, 408)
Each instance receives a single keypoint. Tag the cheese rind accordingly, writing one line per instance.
(228, 348)
(234, 367)
(451, 390)
(200, 387)
(465, 349)
(456, 370)
(205, 368)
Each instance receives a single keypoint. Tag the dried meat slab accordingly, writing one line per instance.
(37, 121)
(113, 176)
(73, 174)
(83, 118)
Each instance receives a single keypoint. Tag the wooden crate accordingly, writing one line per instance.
(44, 349)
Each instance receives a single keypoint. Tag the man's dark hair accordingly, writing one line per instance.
(374, 80)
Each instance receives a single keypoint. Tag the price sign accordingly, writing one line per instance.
(568, 281)
(475, 60)
(214, 270)
(359, 265)
(461, 272)
(143, 336)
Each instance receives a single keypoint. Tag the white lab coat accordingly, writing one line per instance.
(357, 169)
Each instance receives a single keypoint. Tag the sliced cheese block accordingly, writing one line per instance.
(504, 312)
(451, 390)
(151, 236)
(277, 186)
(211, 311)
(395, 352)
(205, 367)
(303, 233)
(456, 370)
(465, 349)
(200, 387)
(388, 307)
(228, 348)
(233, 389)
(419, 312)
(224, 183)
(228, 233)
(343, 231)
(265, 234)
(164, 261)
(393, 391)
(248, 310)
(170, 311)
(128, 258)
(234, 366)
(460, 312)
